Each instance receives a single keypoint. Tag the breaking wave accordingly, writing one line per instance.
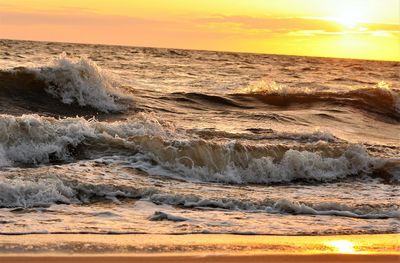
(379, 99)
(32, 139)
(277, 206)
(159, 148)
(83, 82)
(50, 189)
(71, 81)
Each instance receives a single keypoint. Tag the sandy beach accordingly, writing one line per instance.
(199, 248)
(238, 259)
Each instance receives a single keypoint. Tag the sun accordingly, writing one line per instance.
(342, 246)
(349, 18)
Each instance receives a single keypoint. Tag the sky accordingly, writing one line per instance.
(365, 29)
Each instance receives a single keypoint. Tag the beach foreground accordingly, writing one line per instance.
(199, 248)
(260, 258)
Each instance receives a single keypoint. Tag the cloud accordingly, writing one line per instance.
(211, 27)
(77, 18)
(357, 31)
(274, 24)
(286, 25)
(381, 27)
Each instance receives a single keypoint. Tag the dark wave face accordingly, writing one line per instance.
(374, 101)
(381, 99)
(22, 92)
(65, 88)
(144, 140)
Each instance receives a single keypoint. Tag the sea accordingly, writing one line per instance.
(98, 139)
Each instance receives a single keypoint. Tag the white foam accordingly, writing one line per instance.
(81, 81)
(335, 209)
(40, 191)
(379, 93)
(315, 136)
(32, 139)
(45, 190)
(276, 206)
(3, 159)
(161, 216)
(271, 87)
(26, 193)
(161, 149)
(234, 163)
(386, 88)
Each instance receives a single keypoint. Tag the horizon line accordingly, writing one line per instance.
(193, 49)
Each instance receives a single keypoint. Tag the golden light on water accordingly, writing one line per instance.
(342, 246)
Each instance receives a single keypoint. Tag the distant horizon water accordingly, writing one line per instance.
(194, 49)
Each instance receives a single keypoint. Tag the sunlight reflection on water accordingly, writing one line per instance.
(342, 246)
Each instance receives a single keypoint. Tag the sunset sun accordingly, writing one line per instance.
(342, 246)
(349, 18)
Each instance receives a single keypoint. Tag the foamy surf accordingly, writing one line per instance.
(32, 139)
(73, 81)
(45, 190)
(159, 148)
(83, 82)
(381, 97)
(318, 147)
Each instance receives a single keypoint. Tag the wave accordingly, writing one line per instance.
(159, 148)
(236, 163)
(267, 134)
(379, 99)
(70, 81)
(33, 139)
(277, 206)
(43, 191)
(213, 100)
(83, 82)
(161, 216)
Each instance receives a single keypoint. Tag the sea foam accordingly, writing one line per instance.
(43, 191)
(83, 82)
(159, 148)
(380, 97)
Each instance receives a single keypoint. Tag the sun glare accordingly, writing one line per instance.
(342, 246)
(349, 18)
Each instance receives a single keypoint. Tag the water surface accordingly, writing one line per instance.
(109, 139)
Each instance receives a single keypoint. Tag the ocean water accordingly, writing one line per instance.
(112, 139)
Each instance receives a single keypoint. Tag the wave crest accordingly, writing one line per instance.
(83, 82)
(381, 98)
(158, 148)
(271, 87)
(69, 81)
(45, 190)
(239, 164)
(32, 139)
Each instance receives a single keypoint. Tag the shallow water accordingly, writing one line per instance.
(107, 139)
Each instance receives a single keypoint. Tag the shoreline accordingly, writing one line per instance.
(207, 259)
(98, 248)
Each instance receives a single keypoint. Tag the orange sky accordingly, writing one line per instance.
(368, 29)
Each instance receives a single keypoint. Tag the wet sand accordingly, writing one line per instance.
(209, 259)
(85, 248)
